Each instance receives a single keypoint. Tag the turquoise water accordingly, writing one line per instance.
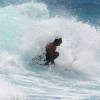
(26, 27)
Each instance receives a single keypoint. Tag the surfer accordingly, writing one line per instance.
(51, 53)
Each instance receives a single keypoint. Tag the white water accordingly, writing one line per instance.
(25, 30)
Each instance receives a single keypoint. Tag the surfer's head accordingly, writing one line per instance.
(58, 41)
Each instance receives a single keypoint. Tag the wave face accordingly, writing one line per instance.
(85, 10)
(26, 28)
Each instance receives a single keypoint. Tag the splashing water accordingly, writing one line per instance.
(25, 31)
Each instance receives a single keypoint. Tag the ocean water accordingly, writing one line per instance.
(27, 26)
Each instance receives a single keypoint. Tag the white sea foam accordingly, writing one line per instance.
(80, 45)
(26, 29)
(8, 91)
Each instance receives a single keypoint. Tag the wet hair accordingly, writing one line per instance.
(56, 41)
(60, 40)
